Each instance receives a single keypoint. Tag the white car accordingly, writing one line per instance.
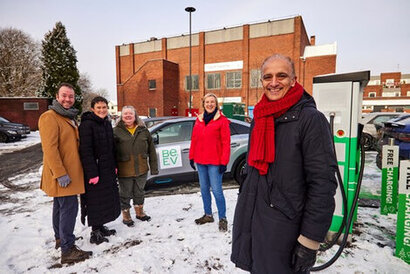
(172, 139)
(372, 122)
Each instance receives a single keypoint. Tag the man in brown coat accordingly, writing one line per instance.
(62, 176)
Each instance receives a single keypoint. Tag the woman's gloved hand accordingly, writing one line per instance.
(222, 169)
(94, 180)
(192, 163)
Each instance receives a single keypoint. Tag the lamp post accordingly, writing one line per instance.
(190, 10)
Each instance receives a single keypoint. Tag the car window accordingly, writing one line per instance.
(4, 120)
(149, 124)
(404, 120)
(176, 132)
(238, 128)
(379, 120)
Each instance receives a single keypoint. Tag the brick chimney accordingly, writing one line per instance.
(312, 40)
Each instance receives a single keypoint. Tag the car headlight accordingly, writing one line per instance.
(12, 131)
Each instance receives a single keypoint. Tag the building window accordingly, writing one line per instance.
(389, 82)
(152, 112)
(234, 79)
(408, 93)
(391, 94)
(31, 106)
(195, 82)
(372, 94)
(367, 107)
(152, 84)
(213, 81)
(255, 78)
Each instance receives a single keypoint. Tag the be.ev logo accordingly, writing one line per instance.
(170, 157)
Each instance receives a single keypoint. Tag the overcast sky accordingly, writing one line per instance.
(370, 34)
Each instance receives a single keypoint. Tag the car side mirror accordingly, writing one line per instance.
(155, 138)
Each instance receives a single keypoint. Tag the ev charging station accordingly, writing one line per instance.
(339, 97)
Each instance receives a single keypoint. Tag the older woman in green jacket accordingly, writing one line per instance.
(135, 151)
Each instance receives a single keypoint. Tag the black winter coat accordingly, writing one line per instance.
(295, 197)
(101, 202)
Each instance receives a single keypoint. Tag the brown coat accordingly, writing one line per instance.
(60, 141)
(134, 152)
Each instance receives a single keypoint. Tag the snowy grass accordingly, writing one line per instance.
(171, 242)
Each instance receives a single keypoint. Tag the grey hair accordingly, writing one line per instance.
(278, 56)
(131, 108)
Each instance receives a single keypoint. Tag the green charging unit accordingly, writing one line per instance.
(341, 95)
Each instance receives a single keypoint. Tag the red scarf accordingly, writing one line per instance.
(262, 150)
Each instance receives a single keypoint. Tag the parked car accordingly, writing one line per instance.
(372, 123)
(12, 131)
(398, 129)
(151, 121)
(172, 138)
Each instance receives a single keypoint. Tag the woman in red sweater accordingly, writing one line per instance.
(210, 150)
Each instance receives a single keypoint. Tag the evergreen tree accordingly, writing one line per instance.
(59, 63)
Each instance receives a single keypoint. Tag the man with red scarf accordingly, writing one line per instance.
(286, 203)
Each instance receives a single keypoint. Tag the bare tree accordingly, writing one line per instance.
(20, 72)
(102, 92)
(88, 91)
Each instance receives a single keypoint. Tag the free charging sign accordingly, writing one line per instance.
(390, 171)
(403, 214)
(170, 157)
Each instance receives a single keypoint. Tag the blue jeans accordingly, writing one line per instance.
(65, 211)
(209, 177)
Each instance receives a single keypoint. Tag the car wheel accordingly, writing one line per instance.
(379, 160)
(239, 167)
(368, 141)
(3, 138)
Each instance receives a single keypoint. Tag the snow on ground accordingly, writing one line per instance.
(171, 242)
(31, 139)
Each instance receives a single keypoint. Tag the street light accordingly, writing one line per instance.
(190, 10)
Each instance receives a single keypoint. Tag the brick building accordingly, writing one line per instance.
(24, 110)
(153, 75)
(387, 92)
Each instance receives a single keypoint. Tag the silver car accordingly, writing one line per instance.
(372, 123)
(172, 140)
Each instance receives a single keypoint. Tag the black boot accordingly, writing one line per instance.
(107, 232)
(97, 237)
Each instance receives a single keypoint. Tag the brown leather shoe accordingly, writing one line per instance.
(75, 255)
(204, 219)
(58, 242)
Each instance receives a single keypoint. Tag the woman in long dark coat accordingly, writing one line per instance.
(100, 203)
